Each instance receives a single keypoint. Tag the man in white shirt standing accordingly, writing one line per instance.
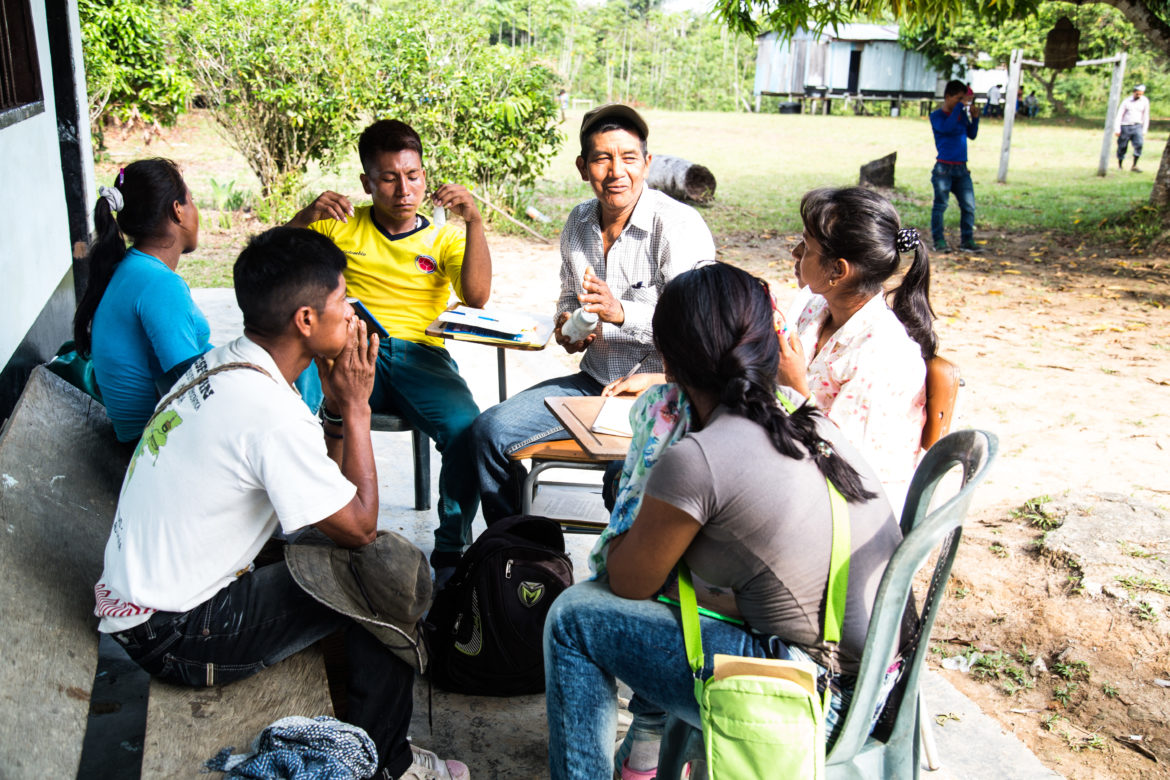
(994, 98)
(1133, 120)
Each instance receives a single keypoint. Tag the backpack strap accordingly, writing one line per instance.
(194, 382)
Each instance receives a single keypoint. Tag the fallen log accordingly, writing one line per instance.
(681, 179)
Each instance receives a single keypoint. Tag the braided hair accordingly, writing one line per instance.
(862, 227)
(713, 327)
(142, 196)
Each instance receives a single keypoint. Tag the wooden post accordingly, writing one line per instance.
(1009, 113)
(1111, 112)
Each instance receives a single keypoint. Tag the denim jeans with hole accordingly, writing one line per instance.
(947, 178)
(264, 617)
(592, 637)
(512, 425)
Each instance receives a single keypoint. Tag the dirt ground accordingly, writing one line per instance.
(1065, 352)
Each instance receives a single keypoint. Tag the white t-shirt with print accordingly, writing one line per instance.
(211, 478)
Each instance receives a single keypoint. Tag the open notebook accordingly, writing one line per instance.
(614, 417)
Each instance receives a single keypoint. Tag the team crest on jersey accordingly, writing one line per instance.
(425, 263)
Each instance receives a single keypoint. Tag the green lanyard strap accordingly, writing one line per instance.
(836, 591)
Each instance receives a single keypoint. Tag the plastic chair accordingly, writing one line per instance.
(421, 447)
(894, 748)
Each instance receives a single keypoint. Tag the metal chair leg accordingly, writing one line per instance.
(926, 731)
(422, 470)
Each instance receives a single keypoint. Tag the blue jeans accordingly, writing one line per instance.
(592, 637)
(264, 617)
(1130, 133)
(422, 384)
(947, 178)
(513, 425)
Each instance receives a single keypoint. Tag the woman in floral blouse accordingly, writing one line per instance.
(859, 359)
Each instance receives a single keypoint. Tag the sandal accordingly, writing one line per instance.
(634, 774)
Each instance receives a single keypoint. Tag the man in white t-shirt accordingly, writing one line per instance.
(1132, 124)
(222, 465)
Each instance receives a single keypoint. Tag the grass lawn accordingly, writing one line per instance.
(763, 164)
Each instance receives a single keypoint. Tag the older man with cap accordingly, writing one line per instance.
(618, 251)
(1133, 120)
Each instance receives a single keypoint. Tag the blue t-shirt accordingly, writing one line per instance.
(145, 325)
(951, 132)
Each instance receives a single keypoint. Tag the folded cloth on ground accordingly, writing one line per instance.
(299, 748)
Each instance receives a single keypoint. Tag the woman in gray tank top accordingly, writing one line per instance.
(743, 499)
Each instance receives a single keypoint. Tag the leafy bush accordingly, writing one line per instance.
(286, 80)
(128, 75)
(486, 114)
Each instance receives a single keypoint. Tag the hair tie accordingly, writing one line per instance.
(121, 177)
(907, 240)
(823, 449)
(113, 197)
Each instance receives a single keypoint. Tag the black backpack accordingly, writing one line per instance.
(486, 626)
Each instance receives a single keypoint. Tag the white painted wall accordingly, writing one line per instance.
(34, 227)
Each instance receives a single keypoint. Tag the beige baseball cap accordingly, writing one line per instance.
(614, 111)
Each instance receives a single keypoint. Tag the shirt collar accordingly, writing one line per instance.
(862, 319)
(642, 217)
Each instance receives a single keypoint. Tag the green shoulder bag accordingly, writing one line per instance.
(762, 717)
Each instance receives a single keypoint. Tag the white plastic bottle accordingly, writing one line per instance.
(579, 325)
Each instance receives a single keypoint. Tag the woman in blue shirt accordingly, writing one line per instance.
(137, 318)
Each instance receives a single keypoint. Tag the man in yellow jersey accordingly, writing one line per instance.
(403, 268)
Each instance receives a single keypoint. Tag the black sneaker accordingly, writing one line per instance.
(941, 246)
(971, 246)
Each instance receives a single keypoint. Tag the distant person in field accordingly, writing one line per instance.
(1031, 105)
(403, 267)
(1133, 120)
(995, 101)
(953, 124)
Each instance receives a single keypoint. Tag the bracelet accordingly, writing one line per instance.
(326, 417)
(333, 435)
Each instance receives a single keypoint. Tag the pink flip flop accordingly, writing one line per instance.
(634, 774)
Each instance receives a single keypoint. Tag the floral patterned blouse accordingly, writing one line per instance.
(870, 379)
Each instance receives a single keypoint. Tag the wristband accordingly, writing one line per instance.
(333, 435)
(326, 417)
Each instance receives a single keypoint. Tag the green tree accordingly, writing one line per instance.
(128, 74)
(486, 113)
(287, 81)
(1151, 18)
(1104, 32)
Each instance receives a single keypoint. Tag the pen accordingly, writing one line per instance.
(637, 365)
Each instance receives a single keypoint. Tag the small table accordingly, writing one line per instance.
(577, 414)
(543, 333)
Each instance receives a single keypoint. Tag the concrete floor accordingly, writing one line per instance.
(507, 738)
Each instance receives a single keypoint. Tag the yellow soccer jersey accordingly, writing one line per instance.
(404, 281)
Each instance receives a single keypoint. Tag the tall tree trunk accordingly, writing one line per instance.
(1160, 196)
(1048, 79)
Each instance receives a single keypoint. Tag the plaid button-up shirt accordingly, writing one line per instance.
(662, 239)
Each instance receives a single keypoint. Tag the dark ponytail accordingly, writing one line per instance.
(862, 227)
(713, 326)
(147, 189)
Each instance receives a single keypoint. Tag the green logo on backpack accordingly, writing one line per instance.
(530, 593)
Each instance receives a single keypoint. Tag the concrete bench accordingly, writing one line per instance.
(60, 472)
